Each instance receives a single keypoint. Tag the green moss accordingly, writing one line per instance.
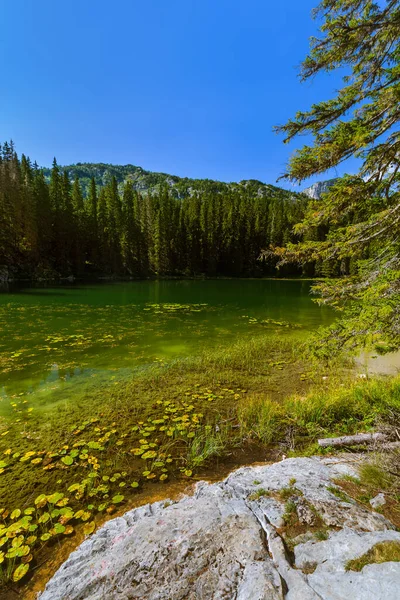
(259, 494)
(321, 535)
(288, 492)
(336, 491)
(290, 514)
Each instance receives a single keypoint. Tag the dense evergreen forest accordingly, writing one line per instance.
(88, 220)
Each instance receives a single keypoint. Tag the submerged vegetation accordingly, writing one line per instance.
(61, 474)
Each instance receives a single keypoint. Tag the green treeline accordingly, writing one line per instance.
(50, 227)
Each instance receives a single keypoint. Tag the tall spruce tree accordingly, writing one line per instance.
(129, 235)
(80, 224)
(93, 229)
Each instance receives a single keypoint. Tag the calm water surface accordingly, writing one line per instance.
(53, 339)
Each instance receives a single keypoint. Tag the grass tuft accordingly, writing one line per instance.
(380, 553)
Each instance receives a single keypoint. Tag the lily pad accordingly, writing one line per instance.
(20, 572)
(89, 528)
(117, 499)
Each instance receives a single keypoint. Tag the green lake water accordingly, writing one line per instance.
(55, 340)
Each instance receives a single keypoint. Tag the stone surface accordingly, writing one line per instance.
(316, 190)
(223, 543)
(378, 501)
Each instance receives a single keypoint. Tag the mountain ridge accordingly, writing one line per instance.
(144, 181)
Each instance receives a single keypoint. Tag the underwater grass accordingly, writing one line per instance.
(72, 462)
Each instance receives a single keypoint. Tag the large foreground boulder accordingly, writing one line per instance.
(224, 543)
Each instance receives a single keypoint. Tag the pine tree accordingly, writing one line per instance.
(93, 230)
(129, 236)
(361, 213)
(44, 218)
(114, 226)
(102, 220)
(80, 225)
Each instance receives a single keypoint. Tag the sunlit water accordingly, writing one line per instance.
(53, 339)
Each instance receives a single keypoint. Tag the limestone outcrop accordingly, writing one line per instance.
(224, 542)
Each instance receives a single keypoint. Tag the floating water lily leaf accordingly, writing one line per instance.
(89, 528)
(44, 518)
(23, 551)
(149, 454)
(54, 498)
(137, 451)
(17, 541)
(62, 502)
(67, 460)
(20, 572)
(188, 473)
(95, 446)
(15, 513)
(41, 500)
(134, 484)
(31, 540)
(68, 530)
(117, 499)
(57, 529)
(74, 487)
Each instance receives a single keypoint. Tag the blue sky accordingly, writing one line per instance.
(189, 87)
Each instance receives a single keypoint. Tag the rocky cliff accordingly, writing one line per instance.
(316, 190)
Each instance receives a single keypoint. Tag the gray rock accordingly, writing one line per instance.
(378, 501)
(374, 582)
(316, 190)
(222, 543)
(341, 546)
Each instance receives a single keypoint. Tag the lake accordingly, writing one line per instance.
(53, 339)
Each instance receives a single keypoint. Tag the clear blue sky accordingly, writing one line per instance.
(189, 87)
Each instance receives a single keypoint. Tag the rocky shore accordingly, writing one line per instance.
(264, 533)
